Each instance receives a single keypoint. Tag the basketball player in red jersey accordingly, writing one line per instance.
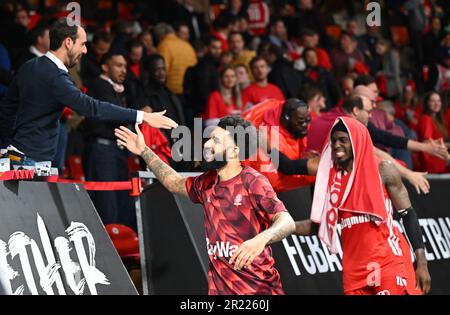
(358, 190)
(242, 212)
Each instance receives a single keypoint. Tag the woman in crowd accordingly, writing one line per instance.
(432, 126)
(225, 101)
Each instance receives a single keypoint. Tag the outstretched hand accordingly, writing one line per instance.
(135, 143)
(419, 181)
(158, 120)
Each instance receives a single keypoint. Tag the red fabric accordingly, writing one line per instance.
(427, 129)
(156, 141)
(34, 20)
(323, 59)
(313, 75)
(235, 211)
(17, 175)
(381, 244)
(255, 94)
(258, 14)
(136, 70)
(382, 84)
(125, 240)
(362, 195)
(67, 113)
(217, 108)
(341, 102)
(267, 114)
(320, 128)
(361, 68)
(367, 183)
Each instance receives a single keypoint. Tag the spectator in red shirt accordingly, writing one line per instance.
(432, 126)
(225, 101)
(261, 89)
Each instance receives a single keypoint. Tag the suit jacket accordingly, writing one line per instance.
(30, 111)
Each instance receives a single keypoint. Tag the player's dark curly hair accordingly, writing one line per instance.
(243, 133)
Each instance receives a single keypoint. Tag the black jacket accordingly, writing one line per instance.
(30, 112)
(286, 78)
(200, 81)
(103, 90)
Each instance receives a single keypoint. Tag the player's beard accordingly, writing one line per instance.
(214, 164)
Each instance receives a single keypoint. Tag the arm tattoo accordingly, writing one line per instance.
(394, 186)
(282, 226)
(164, 173)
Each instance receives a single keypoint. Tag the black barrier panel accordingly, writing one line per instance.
(174, 243)
(53, 229)
(433, 211)
(305, 264)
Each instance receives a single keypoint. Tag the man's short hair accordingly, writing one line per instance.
(308, 32)
(249, 147)
(255, 60)
(61, 30)
(274, 20)
(133, 43)
(161, 30)
(110, 54)
(351, 102)
(38, 31)
(364, 80)
(308, 91)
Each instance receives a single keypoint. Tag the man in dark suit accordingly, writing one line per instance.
(103, 160)
(29, 114)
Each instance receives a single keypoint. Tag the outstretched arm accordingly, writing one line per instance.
(400, 199)
(306, 228)
(282, 226)
(135, 143)
(417, 179)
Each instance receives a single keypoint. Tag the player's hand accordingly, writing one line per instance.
(423, 279)
(135, 143)
(418, 180)
(437, 148)
(247, 252)
(158, 120)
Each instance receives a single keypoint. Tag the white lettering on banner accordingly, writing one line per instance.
(317, 254)
(308, 264)
(440, 241)
(331, 259)
(220, 249)
(445, 229)
(320, 260)
(49, 274)
(436, 233)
